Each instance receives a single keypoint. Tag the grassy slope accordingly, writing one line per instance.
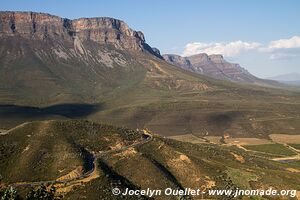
(161, 163)
(166, 163)
(49, 149)
(223, 108)
(146, 92)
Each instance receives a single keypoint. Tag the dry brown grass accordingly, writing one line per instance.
(284, 139)
(117, 146)
(127, 153)
(238, 157)
(293, 170)
(72, 175)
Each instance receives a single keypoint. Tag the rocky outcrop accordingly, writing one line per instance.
(212, 65)
(108, 31)
(156, 50)
(178, 61)
(102, 30)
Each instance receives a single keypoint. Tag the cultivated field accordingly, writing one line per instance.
(247, 141)
(275, 149)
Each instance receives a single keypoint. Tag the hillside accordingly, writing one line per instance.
(48, 150)
(158, 163)
(102, 70)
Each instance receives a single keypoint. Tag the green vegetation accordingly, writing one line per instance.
(136, 90)
(144, 92)
(241, 178)
(295, 163)
(9, 194)
(50, 149)
(159, 163)
(41, 192)
(275, 149)
(296, 146)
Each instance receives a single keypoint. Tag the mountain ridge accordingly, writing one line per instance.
(43, 25)
(44, 55)
(217, 67)
(99, 75)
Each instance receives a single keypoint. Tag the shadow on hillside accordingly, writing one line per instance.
(65, 110)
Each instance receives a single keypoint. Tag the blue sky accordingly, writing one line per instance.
(242, 30)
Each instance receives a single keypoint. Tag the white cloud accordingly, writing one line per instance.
(283, 48)
(293, 42)
(276, 49)
(227, 49)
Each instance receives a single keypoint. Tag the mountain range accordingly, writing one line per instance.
(216, 66)
(55, 57)
(175, 122)
(101, 69)
(290, 78)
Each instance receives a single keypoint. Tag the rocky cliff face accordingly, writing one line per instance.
(46, 57)
(102, 30)
(212, 65)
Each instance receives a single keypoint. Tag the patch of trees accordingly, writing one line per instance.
(42, 193)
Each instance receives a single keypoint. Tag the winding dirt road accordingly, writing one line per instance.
(147, 137)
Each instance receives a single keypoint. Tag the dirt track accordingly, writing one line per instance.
(87, 175)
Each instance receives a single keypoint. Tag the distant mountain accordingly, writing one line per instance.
(286, 77)
(215, 66)
(290, 78)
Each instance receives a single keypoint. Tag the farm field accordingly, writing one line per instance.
(247, 141)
